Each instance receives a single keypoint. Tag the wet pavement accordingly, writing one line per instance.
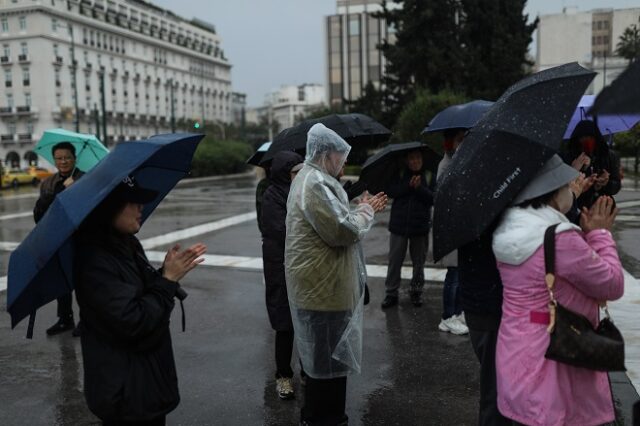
(412, 373)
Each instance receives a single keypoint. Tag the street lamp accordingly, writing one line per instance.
(74, 65)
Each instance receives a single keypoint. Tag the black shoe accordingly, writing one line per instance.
(60, 327)
(77, 331)
(389, 301)
(416, 299)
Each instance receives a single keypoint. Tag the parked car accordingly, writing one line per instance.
(16, 177)
(38, 172)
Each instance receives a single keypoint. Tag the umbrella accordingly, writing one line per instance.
(254, 160)
(607, 123)
(41, 267)
(354, 128)
(622, 96)
(388, 162)
(503, 152)
(89, 150)
(462, 116)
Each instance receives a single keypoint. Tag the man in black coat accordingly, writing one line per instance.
(408, 225)
(64, 155)
(272, 225)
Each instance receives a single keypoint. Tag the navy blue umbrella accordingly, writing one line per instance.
(462, 116)
(41, 268)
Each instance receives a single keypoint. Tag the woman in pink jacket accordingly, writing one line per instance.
(533, 390)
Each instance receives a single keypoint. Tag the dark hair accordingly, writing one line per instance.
(450, 133)
(64, 145)
(97, 228)
(539, 201)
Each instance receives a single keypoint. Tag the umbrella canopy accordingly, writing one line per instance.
(41, 268)
(354, 128)
(387, 163)
(607, 123)
(254, 160)
(622, 96)
(462, 116)
(503, 152)
(89, 150)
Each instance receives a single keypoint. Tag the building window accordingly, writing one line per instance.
(12, 128)
(606, 25)
(23, 23)
(605, 39)
(10, 101)
(57, 77)
(54, 25)
(58, 99)
(8, 79)
(30, 127)
(27, 99)
(24, 49)
(599, 25)
(6, 50)
(56, 53)
(25, 76)
(5, 25)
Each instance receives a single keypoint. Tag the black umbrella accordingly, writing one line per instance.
(503, 152)
(354, 128)
(622, 96)
(387, 163)
(255, 159)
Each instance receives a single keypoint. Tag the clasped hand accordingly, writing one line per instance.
(178, 263)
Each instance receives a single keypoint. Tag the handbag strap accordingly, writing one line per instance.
(549, 269)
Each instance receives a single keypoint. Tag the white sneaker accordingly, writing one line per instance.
(452, 325)
(461, 318)
(284, 388)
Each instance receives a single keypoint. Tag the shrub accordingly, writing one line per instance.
(215, 157)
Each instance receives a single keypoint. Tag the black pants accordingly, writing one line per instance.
(65, 306)
(158, 421)
(324, 402)
(484, 345)
(284, 350)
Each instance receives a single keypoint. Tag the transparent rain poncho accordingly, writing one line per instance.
(324, 264)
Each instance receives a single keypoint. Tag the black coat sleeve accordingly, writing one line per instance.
(42, 205)
(398, 188)
(614, 184)
(114, 299)
(274, 216)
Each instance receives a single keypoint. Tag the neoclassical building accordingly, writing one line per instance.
(64, 62)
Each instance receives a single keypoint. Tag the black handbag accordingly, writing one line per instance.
(573, 340)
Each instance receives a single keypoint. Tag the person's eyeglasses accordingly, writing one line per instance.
(62, 159)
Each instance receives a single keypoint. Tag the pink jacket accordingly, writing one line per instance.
(531, 389)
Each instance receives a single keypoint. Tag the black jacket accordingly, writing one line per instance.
(603, 158)
(480, 282)
(125, 307)
(411, 208)
(273, 228)
(49, 188)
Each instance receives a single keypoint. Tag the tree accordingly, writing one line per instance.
(417, 114)
(425, 53)
(495, 38)
(629, 45)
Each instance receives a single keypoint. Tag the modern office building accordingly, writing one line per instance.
(67, 61)
(353, 35)
(290, 102)
(588, 37)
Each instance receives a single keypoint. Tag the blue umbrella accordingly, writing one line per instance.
(607, 123)
(462, 116)
(41, 268)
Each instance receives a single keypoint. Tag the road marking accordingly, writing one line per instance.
(17, 197)
(15, 215)
(3, 283)
(194, 231)
(623, 204)
(8, 245)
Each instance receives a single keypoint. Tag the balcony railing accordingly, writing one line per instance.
(23, 58)
(23, 109)
(6, 110)
(58, 60)
(7, 138)
(5, 60)
(25, 137)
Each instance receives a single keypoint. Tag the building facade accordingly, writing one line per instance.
(588, 37)
(289, 102)
(353, 35)
(64, 61)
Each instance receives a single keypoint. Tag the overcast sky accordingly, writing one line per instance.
(276, 42)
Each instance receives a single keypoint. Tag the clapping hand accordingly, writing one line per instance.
(581, 161)
(378, 202)
(602, 180)
(581, 184)
(600, 216)
(178, 263)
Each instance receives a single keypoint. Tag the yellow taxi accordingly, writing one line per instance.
(16, 177)
(39, 172)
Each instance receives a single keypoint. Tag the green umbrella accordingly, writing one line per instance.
(89, 150)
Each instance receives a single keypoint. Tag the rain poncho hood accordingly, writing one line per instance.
(324, 265)
(326, 149)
